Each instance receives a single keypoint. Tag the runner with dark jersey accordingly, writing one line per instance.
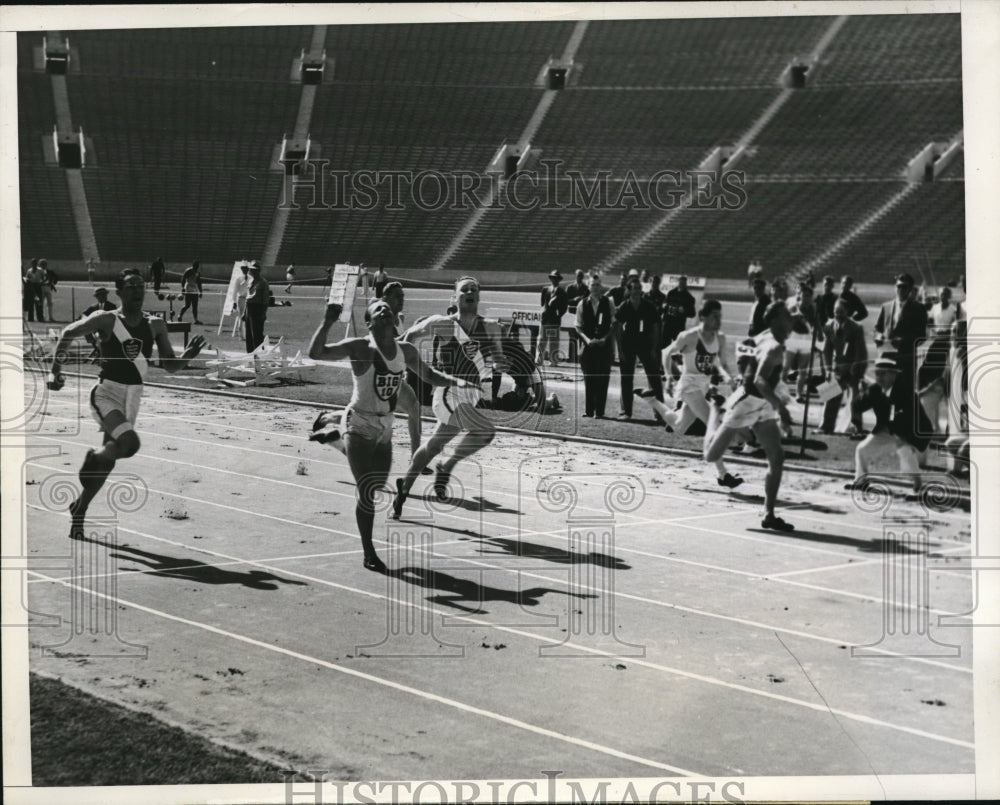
(126, 338)
(460, 343)
(378, 366)
(755, 405)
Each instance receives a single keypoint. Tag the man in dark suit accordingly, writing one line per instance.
(858, 310)
(846, 358)
(554, 305)
(899, 422)
(761, 300)
(902, 322)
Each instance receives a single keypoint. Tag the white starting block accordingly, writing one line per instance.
(269, 362)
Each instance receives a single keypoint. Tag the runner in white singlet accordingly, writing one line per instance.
(378, 364)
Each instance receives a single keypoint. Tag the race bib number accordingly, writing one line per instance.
(386, 386)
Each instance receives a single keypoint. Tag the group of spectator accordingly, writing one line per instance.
(38, 283)
(919, 349)
(634, 319)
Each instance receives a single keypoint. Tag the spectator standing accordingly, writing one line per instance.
(901, 323)
(34, 279)
(554, 305)
(91, 270)
(578, 291)
(289, 278)
(102, 303)
(679, 308)
(799, 345)
(761, 301)
(858, 310)
(658, 299)
(754, 270)
(826, 302)
(380, 278)
(594, 326)
(846, 357)
(157, 271)
(637, 331)
(48, 287)
(242, 289)
(192, 290)
(256, 307)
(932, 376)
(618, 293)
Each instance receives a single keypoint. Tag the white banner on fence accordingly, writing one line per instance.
(668, 281)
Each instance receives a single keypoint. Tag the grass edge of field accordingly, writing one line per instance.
(68, 749)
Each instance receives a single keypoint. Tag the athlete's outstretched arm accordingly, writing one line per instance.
(319, 350)
(99, 321)
(168, 360)
(426, 373)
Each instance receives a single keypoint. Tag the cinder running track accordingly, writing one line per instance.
(592, 610)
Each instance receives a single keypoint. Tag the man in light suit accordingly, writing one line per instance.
(846, 358)
(901, 323)
(900, 422)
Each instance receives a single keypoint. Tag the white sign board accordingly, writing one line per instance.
(235, 280)
(668, 281)
(343, 287)
(526, 317)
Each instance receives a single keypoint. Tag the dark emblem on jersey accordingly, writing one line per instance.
(132, 348)
(387, 385)
(470, 348)
(704, 362)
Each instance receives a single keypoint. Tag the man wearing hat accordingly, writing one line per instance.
(901, 426)
(102, 303)
(554, 305)
(901, 323)
(256, 309)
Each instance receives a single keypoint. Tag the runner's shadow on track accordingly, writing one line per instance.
(178, 568)
(469, 596)
(742, 497)
(547, 553)
(876, 545)
(465, 532)
(480, 505)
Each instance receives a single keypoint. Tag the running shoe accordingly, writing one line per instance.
(729, 480)
(326, 428)
(774, 522)
(376, 564)
(399, 500)
(441, 479)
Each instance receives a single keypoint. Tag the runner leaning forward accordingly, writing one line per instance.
(758, 407)
(705, 365)
(378, 364)
(459, 343)
(126, 339)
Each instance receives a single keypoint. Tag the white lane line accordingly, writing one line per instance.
(493, 489)
(669, 605)
(423, 694)
(524, 725)
(521, 534)
(839, 566)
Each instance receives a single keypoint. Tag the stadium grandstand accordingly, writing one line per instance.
(846, 133)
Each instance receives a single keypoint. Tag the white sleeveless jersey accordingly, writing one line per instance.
(376, 390)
